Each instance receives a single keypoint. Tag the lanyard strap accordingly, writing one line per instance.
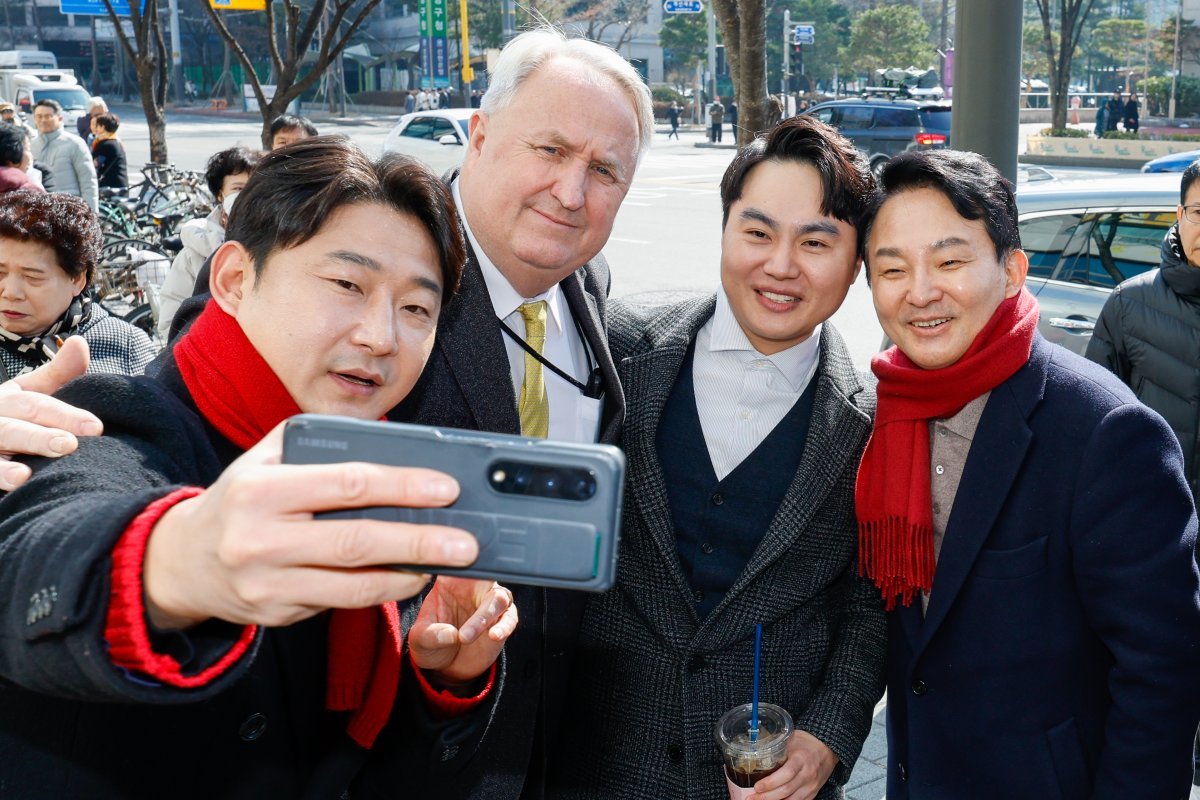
(594, 388)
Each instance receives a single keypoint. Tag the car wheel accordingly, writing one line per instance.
(877, 167)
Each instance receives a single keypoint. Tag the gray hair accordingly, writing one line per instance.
(96, 102)
(529, 51)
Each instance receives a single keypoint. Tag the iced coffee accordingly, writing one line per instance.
(748, 757)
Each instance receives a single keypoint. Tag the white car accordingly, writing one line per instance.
(436, 138)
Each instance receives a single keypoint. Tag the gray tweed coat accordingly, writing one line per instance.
(651, 678)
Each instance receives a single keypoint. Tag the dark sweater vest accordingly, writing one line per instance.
(718, 524)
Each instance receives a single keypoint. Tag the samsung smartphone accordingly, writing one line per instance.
(545, 513)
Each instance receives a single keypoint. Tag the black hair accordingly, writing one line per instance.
(973, 186)
(848, 186)
(62, 222)
(12, 144)
(108, 121)
(50, 103)
(287, 121)
(233, 161)
(295, 189)
(1189, 176)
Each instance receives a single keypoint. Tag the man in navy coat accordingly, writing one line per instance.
(1027, 519)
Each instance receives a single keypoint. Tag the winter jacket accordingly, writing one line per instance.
(201, 237)
(1149, 335)
(70, 162)
(12, 179)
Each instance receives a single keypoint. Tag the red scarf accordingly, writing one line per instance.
(893, 494)
(239, 394)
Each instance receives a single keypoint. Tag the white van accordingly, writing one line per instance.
(27, 59)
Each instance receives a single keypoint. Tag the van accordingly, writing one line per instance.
(27, 59)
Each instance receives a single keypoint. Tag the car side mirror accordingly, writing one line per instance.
(448, 138)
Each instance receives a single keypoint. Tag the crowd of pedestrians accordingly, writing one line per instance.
(998, 532)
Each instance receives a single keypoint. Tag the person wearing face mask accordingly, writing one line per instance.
(226, 174)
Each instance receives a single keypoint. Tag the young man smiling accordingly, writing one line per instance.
(1026, 518)
(745, 425)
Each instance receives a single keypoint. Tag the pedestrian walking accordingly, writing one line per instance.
(1132, 113)
(64, 154)
(716, 116)
(673, 117)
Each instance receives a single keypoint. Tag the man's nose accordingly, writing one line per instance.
(570, 184)
(378, 328)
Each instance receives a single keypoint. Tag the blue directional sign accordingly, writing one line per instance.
(804, 34)
(95, 8)
(683, 6)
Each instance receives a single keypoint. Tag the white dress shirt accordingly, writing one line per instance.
(573, 417)
(741, 395)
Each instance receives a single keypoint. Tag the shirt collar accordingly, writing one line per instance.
(505, 299)
(797, 363)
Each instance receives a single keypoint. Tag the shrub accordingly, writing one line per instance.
(1068, 133)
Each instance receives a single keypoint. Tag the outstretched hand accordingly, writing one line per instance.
(461, 628)
(33, 423)
(249, 550)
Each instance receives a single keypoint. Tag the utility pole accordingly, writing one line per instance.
(1175, 61)
(176, 51)
(787, 43)
(987, 80)
(712, 54)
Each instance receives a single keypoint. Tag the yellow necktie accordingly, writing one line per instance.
(533, 408)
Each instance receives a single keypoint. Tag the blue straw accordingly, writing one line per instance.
(754, 694)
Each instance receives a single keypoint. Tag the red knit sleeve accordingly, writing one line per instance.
(126, 629)
(445, 704)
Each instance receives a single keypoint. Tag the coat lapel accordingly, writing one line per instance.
(587, 314)
(649, 378)
(470, 339)
(997, 452)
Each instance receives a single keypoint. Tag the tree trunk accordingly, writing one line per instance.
(743, 26)
(156, 120)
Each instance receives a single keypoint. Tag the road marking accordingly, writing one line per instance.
(632, 203)
(626, 241)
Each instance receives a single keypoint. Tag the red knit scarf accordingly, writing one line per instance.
(895, 518)
(239, 394)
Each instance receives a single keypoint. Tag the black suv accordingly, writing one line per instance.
(882, 128)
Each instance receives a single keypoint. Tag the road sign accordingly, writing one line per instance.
(96, 8)
(683, 6)
(805, 33)
(238, 5)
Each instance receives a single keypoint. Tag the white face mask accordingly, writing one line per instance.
(227, 203)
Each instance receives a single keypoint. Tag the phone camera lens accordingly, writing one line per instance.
(584, 488)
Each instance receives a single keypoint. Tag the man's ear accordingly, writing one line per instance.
(478, 129)
(1016, 267)
(231, 276)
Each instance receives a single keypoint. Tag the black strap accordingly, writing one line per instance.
(594, 388)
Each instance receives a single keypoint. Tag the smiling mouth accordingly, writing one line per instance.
(775, 297)
(930, 323)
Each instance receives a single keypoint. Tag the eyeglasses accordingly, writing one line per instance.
(1192, 214)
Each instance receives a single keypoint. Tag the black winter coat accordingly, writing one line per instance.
(72, 725)
(1149, 335)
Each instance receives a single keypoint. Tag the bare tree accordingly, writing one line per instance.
(329, 23)
(624, 16)
(1060, 44)
(744, 31)
(148, 53)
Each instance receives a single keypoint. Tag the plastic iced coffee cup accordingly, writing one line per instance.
(747, 762)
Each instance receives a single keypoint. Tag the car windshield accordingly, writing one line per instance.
(463, 123)
(69, 99)
(936, 119)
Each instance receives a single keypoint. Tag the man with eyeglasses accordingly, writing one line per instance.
(1149, 330)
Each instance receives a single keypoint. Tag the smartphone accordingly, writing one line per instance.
(545, 513)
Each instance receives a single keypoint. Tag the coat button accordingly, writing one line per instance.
(903, 773)
(698, 596)
(717, 499)
(706, 548)
(919, 688)
(675, 753)
(254, 727)
(695, 663)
